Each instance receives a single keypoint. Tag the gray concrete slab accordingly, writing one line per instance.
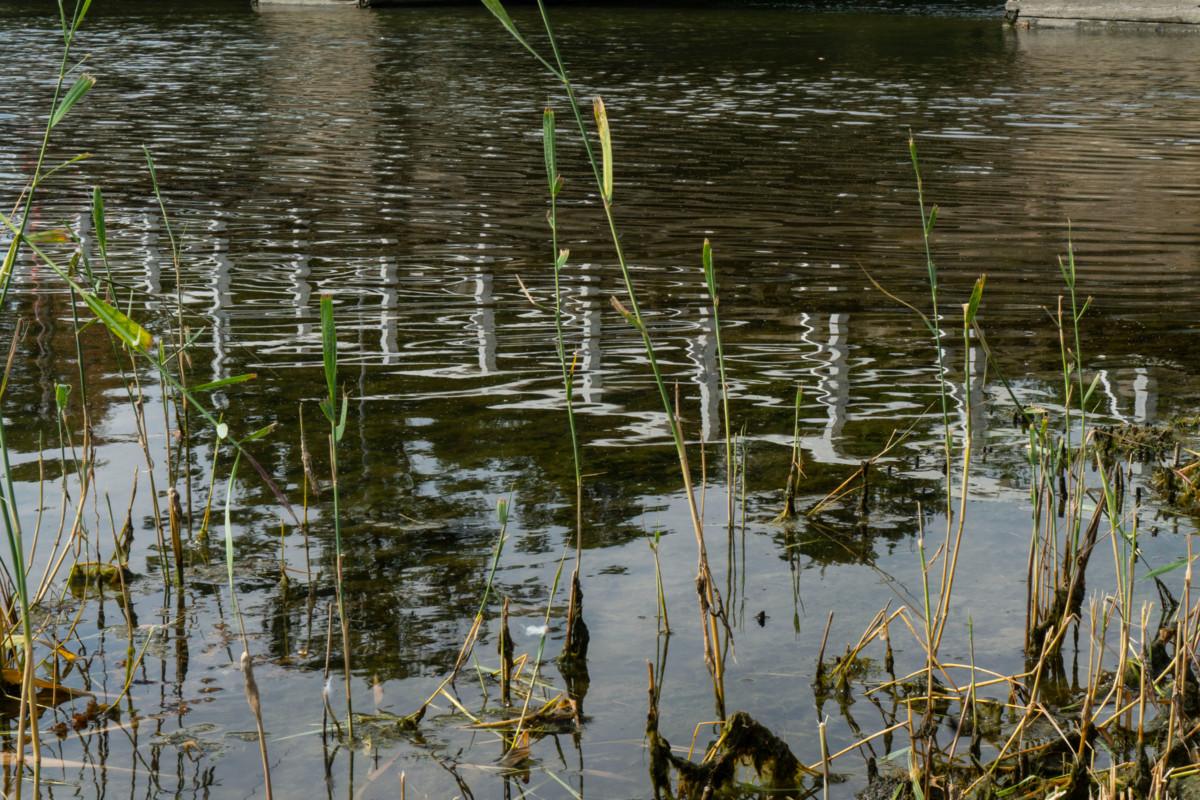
(1099, 13)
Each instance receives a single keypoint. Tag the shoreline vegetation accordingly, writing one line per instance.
(1107, 704)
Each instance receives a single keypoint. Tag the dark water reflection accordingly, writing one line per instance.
(394, 159)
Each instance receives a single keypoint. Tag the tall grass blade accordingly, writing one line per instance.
(121, 326)
(81, 87)
(549, 151)
(329, 350)
(98, 222)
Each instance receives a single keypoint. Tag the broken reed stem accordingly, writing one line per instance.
(824, 758)
(795, 466)
(821, 649)
(252, 699)
(505, 646)
(175, 522)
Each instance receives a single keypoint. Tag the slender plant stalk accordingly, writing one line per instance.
(554, 181)
(933, 322)
(337, 427)
(181, 400)
(251, 686)
(537, 661)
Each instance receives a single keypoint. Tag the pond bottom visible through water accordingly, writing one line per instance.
(939, 561)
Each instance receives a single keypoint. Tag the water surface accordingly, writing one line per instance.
(394, 159)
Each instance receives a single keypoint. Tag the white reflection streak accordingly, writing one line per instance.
(388, 319)
(591, 386)
(152, 274)
(301, 291)
(702, 350)
(832, 375)
(1145, 396)
(1105, 385)
(484, 322)
(219, 311)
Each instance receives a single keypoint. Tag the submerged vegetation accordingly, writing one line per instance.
(1107, 703)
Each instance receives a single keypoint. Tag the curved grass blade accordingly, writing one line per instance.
(78, 89)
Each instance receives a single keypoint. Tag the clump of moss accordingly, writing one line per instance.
(743, 741)
(1179, 486)
(1139, 442)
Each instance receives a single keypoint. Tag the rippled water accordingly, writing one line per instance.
(394, 159)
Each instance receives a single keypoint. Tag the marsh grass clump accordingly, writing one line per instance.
(1179, 485)
(1146, 443)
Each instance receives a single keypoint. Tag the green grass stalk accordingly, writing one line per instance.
(573, 645)
(181, 399)
(337, 427)
(933, 322)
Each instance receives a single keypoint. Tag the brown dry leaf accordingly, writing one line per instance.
(518, 753)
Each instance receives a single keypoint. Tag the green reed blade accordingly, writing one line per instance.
(329, 350)
(98, 223)
(82, 86)
(223, 382)
(548, 150)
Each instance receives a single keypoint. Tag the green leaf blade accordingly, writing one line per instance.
(329, 348)
(548, 151)
(98, 223)
(78, 89)
(972, 306)
(121, 326)
(223, 382)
